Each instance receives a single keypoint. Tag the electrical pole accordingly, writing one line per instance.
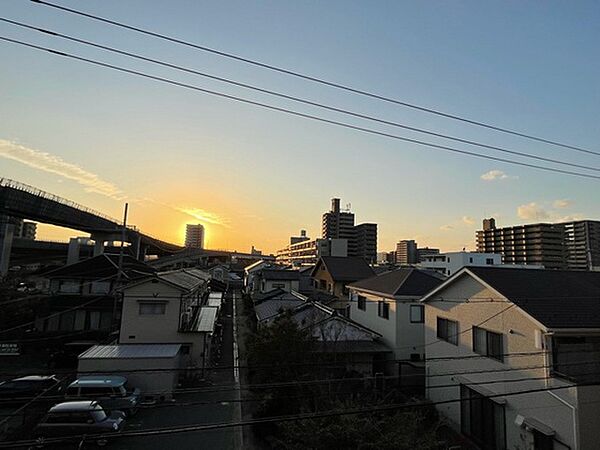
(120, 268)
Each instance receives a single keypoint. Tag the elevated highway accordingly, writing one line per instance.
(27, 202)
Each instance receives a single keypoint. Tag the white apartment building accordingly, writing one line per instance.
(194, 235)
(308, 252)
(451, 262)
(507, 353)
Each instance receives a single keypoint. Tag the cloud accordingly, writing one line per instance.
(203, 216)
(56, 165)
(468, 220)
(562, 203)
(446, 227)
(494, 175)
(532, 211)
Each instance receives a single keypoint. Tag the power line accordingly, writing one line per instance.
(317, 80)
(300, 114)
(285, 418)
(298, 99)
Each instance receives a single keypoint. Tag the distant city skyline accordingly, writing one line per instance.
(253, 177)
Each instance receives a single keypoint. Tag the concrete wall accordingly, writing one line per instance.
(288, 285)
(518, 337)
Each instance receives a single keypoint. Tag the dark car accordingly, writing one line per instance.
(24, 388)
(79, 418)
(110, 391)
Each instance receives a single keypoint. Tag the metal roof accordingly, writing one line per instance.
(131, 351)
(207, 319)
(100, 381)
(213, 302)
(188, 279)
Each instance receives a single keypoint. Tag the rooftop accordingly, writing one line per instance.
(206, 319)
(345, 268)
(131, 351)
(406, 281)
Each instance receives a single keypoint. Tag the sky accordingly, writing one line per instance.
(255, 177)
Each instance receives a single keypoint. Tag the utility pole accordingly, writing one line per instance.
(120, 268)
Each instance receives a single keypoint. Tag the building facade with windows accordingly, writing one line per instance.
(512, 356)
(170, 308)
(308, 251)
(194, 235)
(451, 262)
(389, 304)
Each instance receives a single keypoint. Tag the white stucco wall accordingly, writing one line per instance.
(518, 336)
(402, 336)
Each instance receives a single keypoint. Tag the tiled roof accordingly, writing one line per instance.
(270, 308)
(187, 279)
(405, 281)
(556, 298)
(345, 268)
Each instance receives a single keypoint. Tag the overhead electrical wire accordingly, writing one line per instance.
(297, 113)
(278, 419)
(316, 79)
(298, 99)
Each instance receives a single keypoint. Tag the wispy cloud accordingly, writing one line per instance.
(562, 203)
(495, 175)
(467, 220)
(56, 165)
(204, 216)
(531, 211)
(447, 227)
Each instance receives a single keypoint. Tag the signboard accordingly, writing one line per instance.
(10, 349)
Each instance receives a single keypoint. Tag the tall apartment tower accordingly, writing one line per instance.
(582, 244)
(194, 235)
(539, 243)
(362, 239)
(406, 252)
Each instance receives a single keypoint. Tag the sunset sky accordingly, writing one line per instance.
(255, 177)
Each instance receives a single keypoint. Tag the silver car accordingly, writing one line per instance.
(79, 418)
(111, 392)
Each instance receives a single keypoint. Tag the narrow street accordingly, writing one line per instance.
(215, 407)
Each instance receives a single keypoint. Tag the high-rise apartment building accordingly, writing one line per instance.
(362, 238)
(194, 235)
(569, 245)
(406, 252)
(25, 229)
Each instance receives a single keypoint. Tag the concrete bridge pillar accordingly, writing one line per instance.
(7, 230)
(102, 238)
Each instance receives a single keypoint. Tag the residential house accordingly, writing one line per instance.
(269, 305)
(90, 284)
(513, 356)
(332, 274)
(170, 308)
(286, 279)
(389, 305)
(251, 273)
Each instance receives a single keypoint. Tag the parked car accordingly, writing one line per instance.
(111, 392)
(79, 418)
(21, 390)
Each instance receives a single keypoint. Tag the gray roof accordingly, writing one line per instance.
(131, 351)
(207, 319)
(405, 281)
(556, 298)
(269, 308)
(213, 302)
(280, 274)
(345, 268)
(187, 279)
(102, 380)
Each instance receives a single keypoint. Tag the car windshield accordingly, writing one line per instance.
(99, 415)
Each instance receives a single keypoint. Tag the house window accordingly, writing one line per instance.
(471, 260)
(488, 343)
(361, 303)
(383, 310)
(149, 309)
(322, 284)
(447, 330)
(482, 419)
(278, 285)
(417, 314)
(489, 261)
